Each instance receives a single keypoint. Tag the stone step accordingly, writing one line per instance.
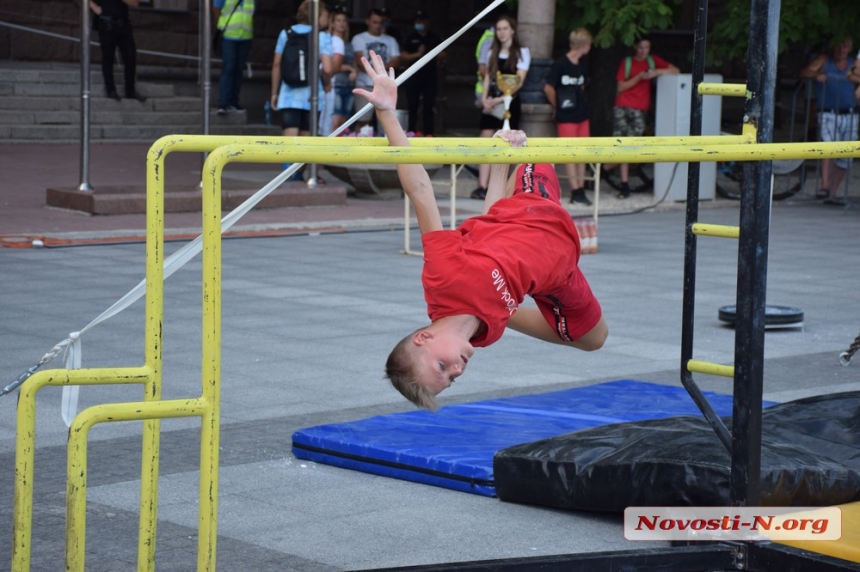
(98, 118)
(39, 75)
(131, 199)
(74, 90)
(23, 103)
(118, 117)
(42, 103)
(124, 133)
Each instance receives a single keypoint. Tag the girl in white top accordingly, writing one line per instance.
(508, 57)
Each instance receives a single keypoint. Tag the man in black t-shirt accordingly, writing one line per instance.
(421, 88)
(114, 28)
(565, 91)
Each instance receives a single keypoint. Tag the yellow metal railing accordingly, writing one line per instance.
(724, 89)
(718, 230)
(225, 150)
(696, 366)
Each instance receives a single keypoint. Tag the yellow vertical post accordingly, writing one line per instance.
(76, 496)
(25, 456)
(150, 448)
(211, 375)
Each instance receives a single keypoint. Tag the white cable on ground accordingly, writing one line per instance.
(72, 345)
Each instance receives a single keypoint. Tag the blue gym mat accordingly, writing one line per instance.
(454, 447)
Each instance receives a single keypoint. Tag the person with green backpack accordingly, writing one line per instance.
(634, 97)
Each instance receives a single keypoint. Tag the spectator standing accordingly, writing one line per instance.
(856, 72)
(337, 49)
(633, 79)
(294, 102)
(114, 27)
(565, 91)
(388, 29)
(383, 45)
(508, 57)
(482, 56)
(235, 19)
(837, 111)
(422, 87)
(343, 82)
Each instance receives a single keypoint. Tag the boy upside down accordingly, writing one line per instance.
(475, 277)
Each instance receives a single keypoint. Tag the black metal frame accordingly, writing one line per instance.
(744, 440)
(701, 557)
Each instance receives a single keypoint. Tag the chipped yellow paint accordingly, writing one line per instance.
(227, 149)
(723, 89)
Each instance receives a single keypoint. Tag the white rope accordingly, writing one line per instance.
(179, 258)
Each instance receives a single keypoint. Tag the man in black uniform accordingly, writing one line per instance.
(114, 27)
(422, 85)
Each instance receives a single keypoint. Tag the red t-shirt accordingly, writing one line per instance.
(525, 244)
(638, 96)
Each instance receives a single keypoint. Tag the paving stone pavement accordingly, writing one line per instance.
(307, 323)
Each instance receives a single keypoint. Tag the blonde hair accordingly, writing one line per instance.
(334, 15)
(400, 371)
(303, 14)
(579, 38)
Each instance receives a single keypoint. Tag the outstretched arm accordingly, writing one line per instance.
(414, 178)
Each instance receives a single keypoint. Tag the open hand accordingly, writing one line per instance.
(384, 94)
(515, 137)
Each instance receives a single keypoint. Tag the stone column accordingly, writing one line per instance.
(536, 30)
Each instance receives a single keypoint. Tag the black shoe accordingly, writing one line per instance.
(479, 194)
(838, 201)
(578, 196)
(135, 95)
(113, 95)
(624, 192)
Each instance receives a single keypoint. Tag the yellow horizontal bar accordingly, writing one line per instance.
(696, 366)
(718, 230)
(199, 143)
(477, 151)
(726, 89)
(136, 411)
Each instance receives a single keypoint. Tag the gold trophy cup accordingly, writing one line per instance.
(507, 83)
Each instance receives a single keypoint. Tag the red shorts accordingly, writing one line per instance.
(581, 129)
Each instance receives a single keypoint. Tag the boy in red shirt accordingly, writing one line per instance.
(475, 277)
(634, 97)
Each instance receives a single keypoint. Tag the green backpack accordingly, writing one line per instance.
(628, 63)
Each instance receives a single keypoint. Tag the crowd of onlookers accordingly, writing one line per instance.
(503, 63)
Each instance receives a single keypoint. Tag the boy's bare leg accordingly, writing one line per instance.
(414, 178)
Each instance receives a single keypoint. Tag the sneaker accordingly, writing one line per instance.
(135, 95)
(578, 196)
(624, 193)
(479, 194)
(222, 111)
(113, 95)
(234, 109)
